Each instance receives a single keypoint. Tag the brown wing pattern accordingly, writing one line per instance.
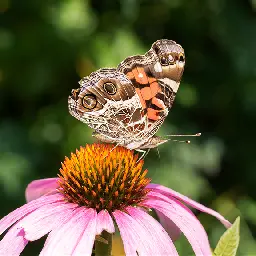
(107, 102)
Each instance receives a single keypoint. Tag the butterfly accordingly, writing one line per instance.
(128, 104)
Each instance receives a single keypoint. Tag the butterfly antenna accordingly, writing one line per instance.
(183, 135)
(181, 141)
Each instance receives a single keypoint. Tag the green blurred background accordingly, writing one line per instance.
(47, 46)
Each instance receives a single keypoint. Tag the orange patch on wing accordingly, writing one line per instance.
(146, 93)
(154, 89)
(158, 103)
(140, 75)
(153, 114)
(151, 80)
(130, 75)
(142, 101)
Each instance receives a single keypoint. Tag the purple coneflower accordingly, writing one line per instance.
(99, 188)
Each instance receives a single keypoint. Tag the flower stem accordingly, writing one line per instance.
(103, 246)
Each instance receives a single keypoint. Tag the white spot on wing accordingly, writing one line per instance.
(140, 75)
(158, 67)
(160, 102)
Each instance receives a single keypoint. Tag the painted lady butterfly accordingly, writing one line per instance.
(127, 105)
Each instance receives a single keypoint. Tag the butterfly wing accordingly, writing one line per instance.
(107, 102)
(127, 105)
(156, 77)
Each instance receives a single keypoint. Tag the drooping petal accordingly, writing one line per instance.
(13, 242)
(184, 219)
(171, 193)
(135, 237)
(128, 232)
(169, 226)
(157, 236)
(104, 222)
(38, 188)
(45, 219)
(85, 245)
(19, 213)
(64, 240)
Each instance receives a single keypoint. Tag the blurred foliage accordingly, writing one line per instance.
(47, 46)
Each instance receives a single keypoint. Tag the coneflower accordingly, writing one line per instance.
(100, 189)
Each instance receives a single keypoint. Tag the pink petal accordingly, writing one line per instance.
(169, 226)
(65, 239)
(184, 219)
(43, 220)
(104, 222)
(129, 232)
(13, 242)
(86, 242)
(19, 213)
(171, 193)
(156, 234)
(38, 188)
(135, 236)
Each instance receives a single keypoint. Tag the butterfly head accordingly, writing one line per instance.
(169, 59)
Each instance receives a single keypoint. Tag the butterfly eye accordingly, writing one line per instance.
(181, 58)
(170, 59)
(89, 101)
(164, 61)
(110, 88)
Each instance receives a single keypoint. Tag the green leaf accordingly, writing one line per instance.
(229, 241)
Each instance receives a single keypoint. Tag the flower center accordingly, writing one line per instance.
(102, 176)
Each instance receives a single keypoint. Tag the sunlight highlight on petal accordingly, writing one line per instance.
(38, 188)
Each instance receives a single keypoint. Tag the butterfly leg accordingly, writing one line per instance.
(144, 153)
